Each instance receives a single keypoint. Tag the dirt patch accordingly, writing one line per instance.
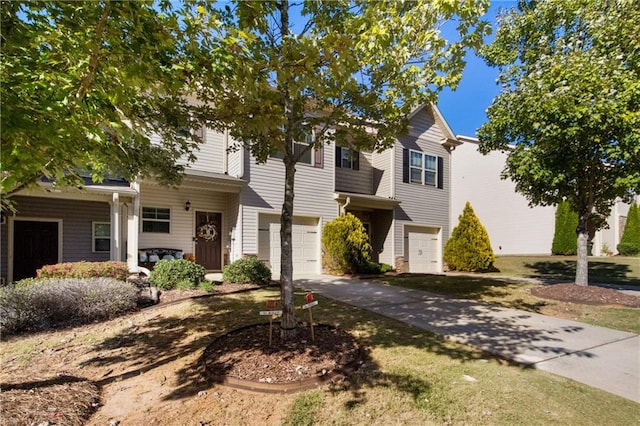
(245, 354)
(591, 295)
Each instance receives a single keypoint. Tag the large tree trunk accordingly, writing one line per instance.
(288, 322)
(582, 267)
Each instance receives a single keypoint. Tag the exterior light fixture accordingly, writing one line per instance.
(187, 205)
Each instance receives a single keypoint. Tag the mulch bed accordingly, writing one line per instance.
(245, 355)
(591, 295)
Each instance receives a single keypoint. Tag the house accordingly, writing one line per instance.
(513, 226)
(228, 207)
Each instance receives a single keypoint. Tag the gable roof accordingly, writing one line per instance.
(450, 140)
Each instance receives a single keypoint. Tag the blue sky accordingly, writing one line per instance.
(465, 109)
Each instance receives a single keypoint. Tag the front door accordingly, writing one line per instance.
(209, 240)
(34, 244)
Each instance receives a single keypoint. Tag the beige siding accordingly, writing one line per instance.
(182, 227)
(211, 152)
(421, 205)
(358, 181)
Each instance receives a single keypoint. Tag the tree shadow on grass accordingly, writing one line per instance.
(599, 272)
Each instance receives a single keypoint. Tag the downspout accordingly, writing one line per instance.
(344, 206)
(225, 156)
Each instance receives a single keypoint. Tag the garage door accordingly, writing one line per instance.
(422, 248)
(305, 243)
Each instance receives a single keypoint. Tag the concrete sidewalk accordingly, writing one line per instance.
(599, 357)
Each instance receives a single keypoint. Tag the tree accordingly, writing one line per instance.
(469, 247)
(86, 84)
(564, 237)
(316, 72)
(345, 245)
(630, 241)
(570, 103)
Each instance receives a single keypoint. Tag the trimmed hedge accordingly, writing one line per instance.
(346, 248)
(565, 240)
(630, 241)
(180, 273)
(54, 302)
(248, 270)
(109, 269)
(469, 248)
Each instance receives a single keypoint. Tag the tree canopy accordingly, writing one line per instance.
(569, 105)
(86, 84)
(315, 72)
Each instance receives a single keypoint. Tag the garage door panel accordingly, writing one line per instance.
(304, 239)
(423, 250)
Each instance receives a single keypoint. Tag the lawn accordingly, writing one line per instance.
(516, 294)
(609, 270)
(146, 366)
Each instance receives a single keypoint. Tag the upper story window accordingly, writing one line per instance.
(101, 236)
(156, 220)
(425, 169)
(312, 156)
(347, 158)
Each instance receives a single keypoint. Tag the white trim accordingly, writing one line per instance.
(93, 236)
(11, 236)
(423, 180)
(405, 242)
(142, 219)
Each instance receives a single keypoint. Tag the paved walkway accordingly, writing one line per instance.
(599, 357)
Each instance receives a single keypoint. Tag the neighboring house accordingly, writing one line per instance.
(514, 228)
(228, 207)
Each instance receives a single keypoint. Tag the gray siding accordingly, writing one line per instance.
(357, 181)
(421, 205)
(265, 193)
(77, 217)
(381, 163)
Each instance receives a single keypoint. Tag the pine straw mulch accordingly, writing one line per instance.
(588, 295)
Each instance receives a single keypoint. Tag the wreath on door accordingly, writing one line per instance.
(208, 232)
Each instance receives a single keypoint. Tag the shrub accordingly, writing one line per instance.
(109, 269)
(384, 267)
(207, 286)
(53, 302)
(630, 241)
(469, 248)
(248, 270)
(167, 274)
(345, 246)
(565, 240)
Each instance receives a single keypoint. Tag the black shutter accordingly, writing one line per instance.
(338, 156)
(440, 172)
(356, 160)
(405, 165)
(319, 156)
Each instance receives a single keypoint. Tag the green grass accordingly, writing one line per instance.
(608, 270)
(517, 295)
(410, 376)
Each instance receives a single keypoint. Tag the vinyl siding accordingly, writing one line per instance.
(421, 205)
(182, 227)
(357, 181)
(77, 217)
(513, 227)
(381, 173)
(265, 193)
(211, 152)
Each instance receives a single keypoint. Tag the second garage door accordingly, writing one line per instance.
(305, 243)
(423, 249)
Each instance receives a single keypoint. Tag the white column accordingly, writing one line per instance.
(116, 239)
(133, 224)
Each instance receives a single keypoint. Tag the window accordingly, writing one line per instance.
(156, 219)
(423, 168)
(101, 237)
(311, 156)
(346, 158)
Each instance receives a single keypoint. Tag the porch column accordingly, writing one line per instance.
(116, 239)
(133, 224)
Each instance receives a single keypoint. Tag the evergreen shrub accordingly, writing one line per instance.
(345, 246)
(167, 274)
(565, 240)
(248, 270)
(630, 241)
(469, 248)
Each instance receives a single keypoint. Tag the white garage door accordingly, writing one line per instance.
(422, 248)
(304, 236)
